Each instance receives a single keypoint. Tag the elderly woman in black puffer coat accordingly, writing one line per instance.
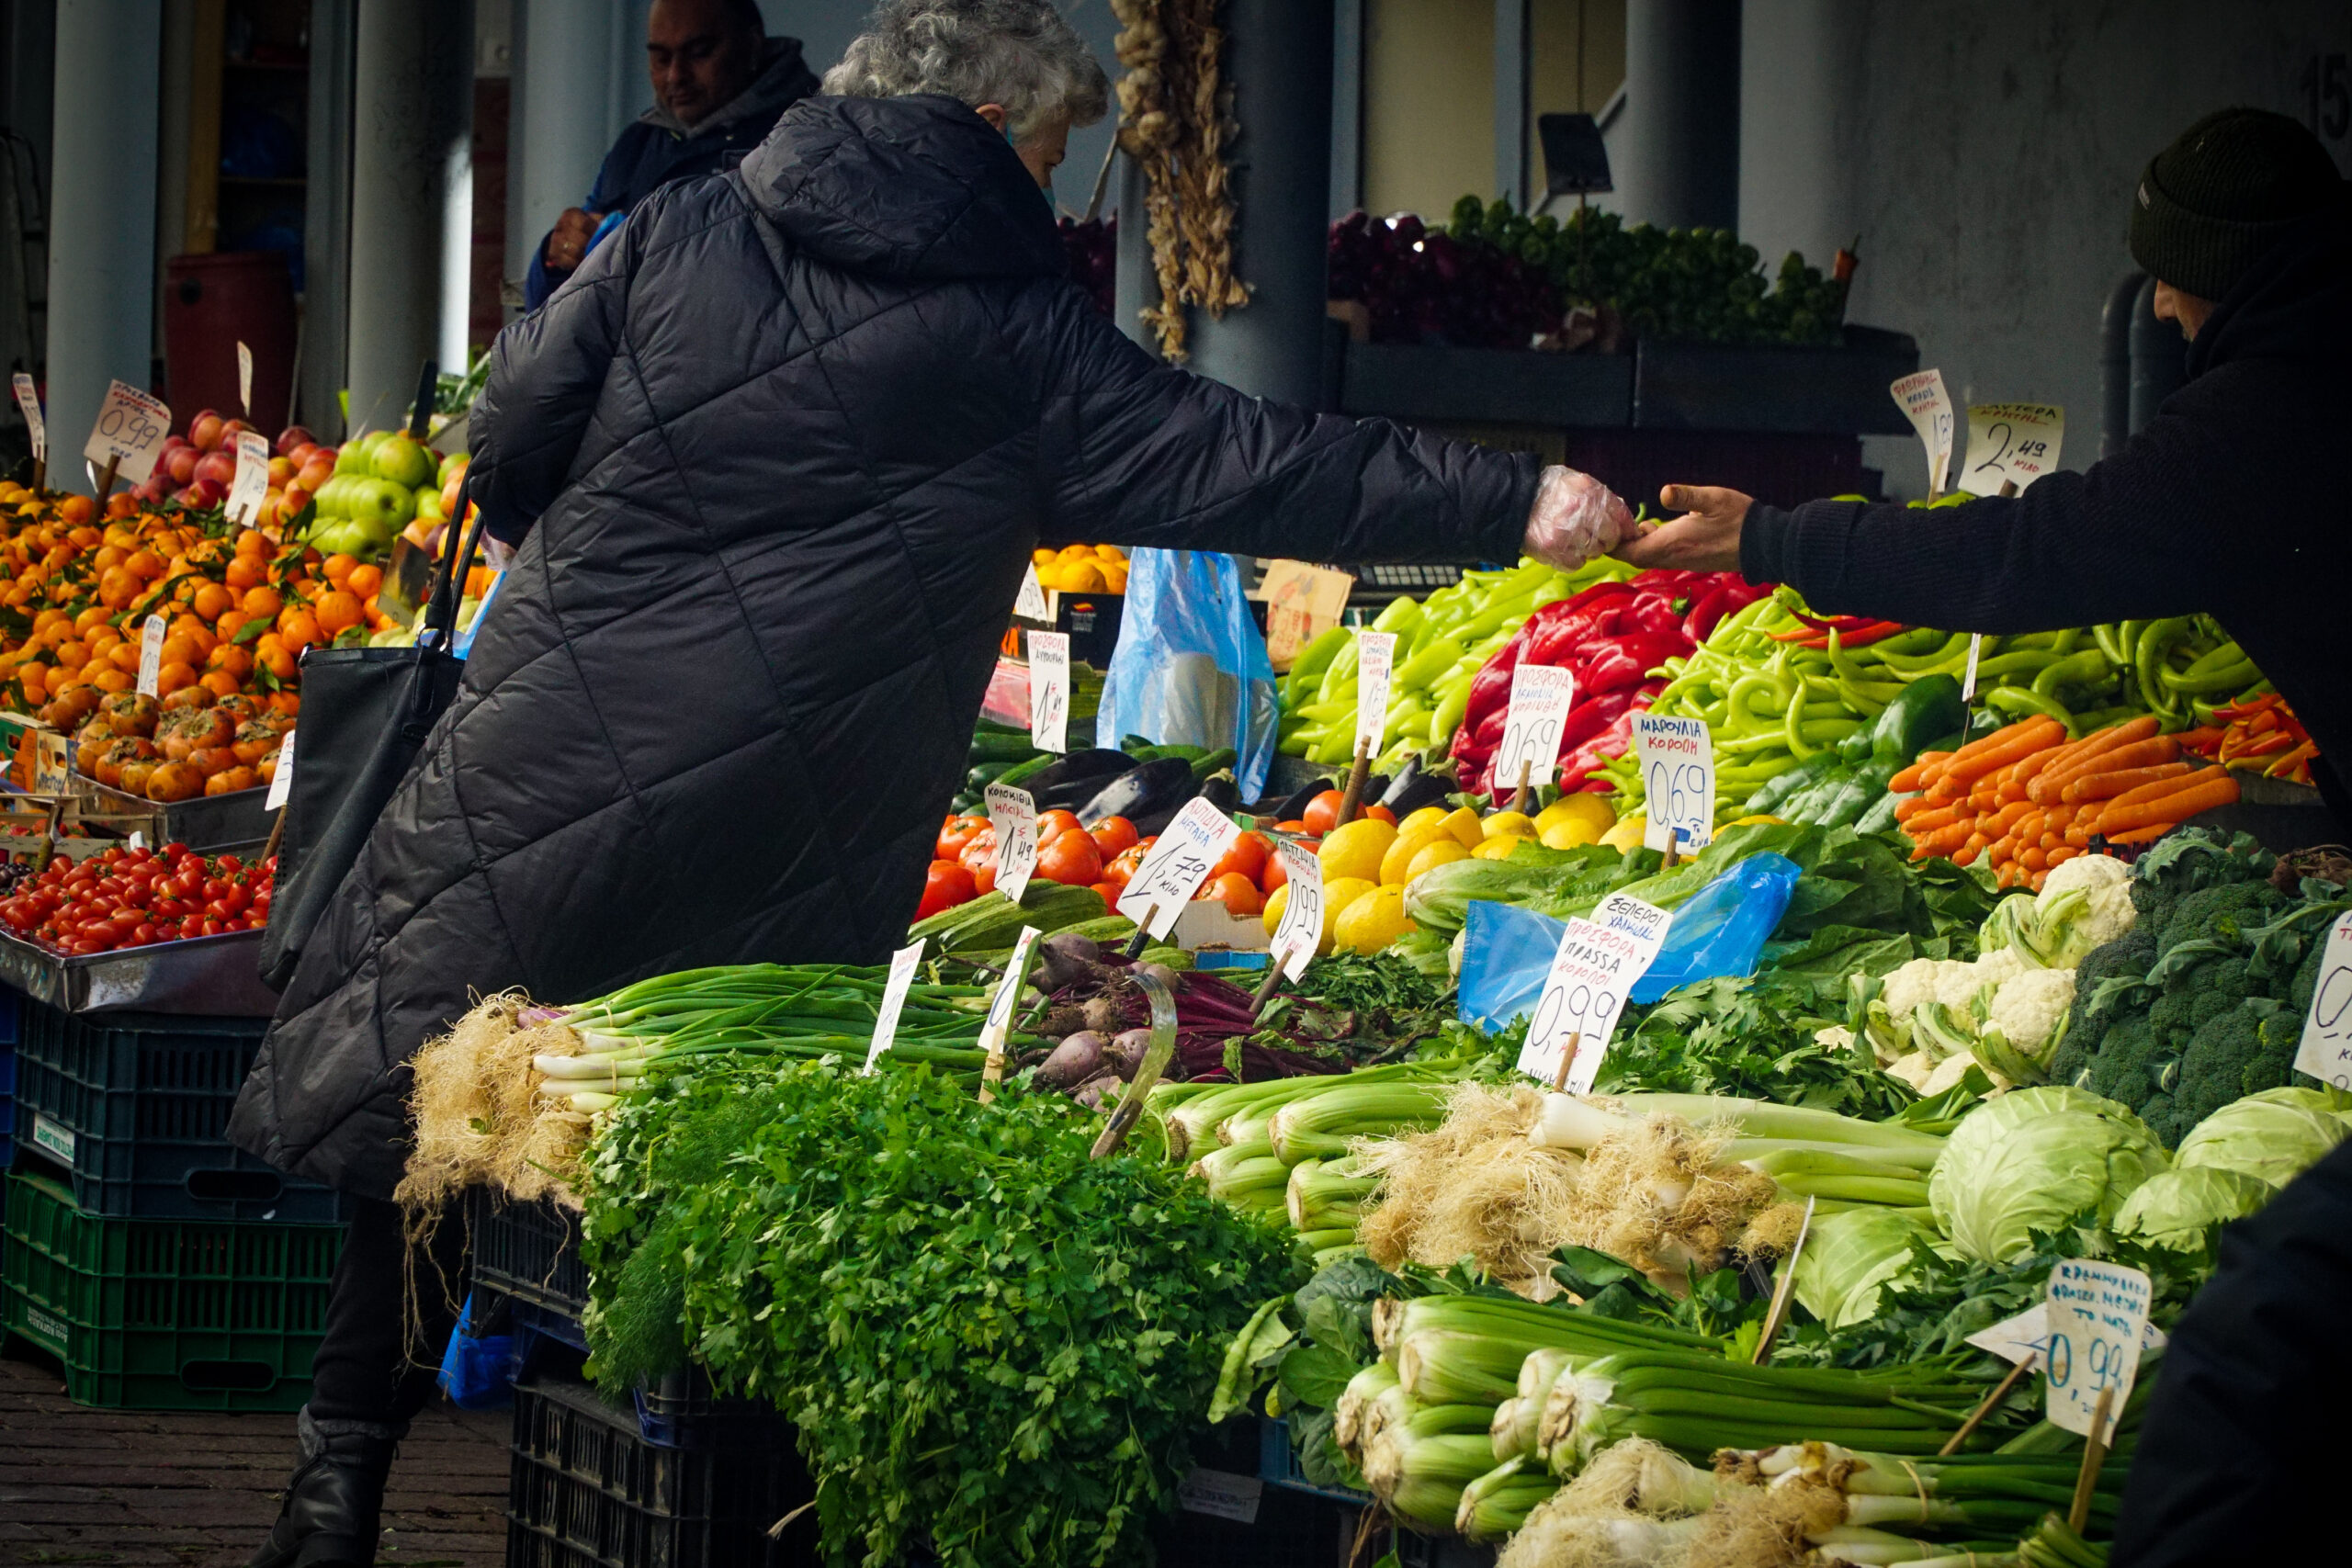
(773, 462)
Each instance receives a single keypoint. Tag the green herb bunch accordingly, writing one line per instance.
(989, 1344)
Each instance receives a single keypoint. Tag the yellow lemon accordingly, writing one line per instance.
(1354, 850)
(1042, 557)
(1570, 835)
(1275, 906)
(1465, 827)
(1766, 821)
(1436, 853)
(1427, 816)
(1109, 552)
(1592, 809)
(1405, 846)
(1497, 849)
(1373, 921)
(1508, 824)
(1626, 836)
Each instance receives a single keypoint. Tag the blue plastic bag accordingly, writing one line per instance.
(476, 1373)
(1191, 668)
(1720, 929)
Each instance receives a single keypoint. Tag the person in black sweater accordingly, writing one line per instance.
(2245, 224)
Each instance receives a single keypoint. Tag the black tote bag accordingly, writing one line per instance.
(366, 714)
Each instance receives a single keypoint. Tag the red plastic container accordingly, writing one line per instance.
(210, 304)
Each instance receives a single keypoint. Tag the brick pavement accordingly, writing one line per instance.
(143, 1489)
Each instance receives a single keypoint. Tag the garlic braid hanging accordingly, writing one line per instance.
(1174, 119)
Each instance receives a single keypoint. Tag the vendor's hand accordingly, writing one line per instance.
(1705, 539)
(569, 244)
(1575, 518)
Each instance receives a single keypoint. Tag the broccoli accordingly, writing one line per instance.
(2224, 911)
(2306, 982)
(2127, 957)
(2127, 1062)
(2190, 859)
(2249, 1048)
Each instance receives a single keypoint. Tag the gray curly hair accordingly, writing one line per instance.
(1019, 54)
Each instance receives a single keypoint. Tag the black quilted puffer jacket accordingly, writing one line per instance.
(775, 459)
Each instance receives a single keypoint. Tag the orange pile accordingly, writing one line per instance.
(1082, 569)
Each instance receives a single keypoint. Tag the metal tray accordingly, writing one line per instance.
(206, 977)
(206, 823)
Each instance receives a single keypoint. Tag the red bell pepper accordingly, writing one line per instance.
(1627, 661)
(1652, 611)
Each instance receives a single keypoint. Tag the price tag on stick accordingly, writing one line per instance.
(1193, 842)
(2327, 1051)
(1029, 603)
(894, 1001)
(1678, 762)
(997, 1031)
(1968, 682)
(29, 401)
(281, 781)
(2010, 444)
(252, 482)
(1584, 992)
(1049, 691)
(151, 654)
(1375, 661)
(1300, 930)
(1928, 406)
(2099, 1317)
(129, 433)
(1541, 697)
(245, 378)
(1014, 811)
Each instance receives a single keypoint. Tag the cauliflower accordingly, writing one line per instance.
(2089, 873)
(1918, 982)
(1997, 967)
(2029, 1007)
(1837, 1036)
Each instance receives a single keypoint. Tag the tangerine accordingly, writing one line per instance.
(228, 658)
(173, 676)
(298, 628)
(147, 564)
(336, 611)
(253, 542)
(339, 567)
(111, 680)
(220, 683)
(263, 603)
(364, 581)
(273, 656)
(77, 509)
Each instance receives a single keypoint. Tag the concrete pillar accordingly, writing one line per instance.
(411, 119)
(1278, 59)
(102, 215)
(1802, 74)
(1134, 285)
(326, 222)
(1514, 47)
(1675, 154)
(564, 91)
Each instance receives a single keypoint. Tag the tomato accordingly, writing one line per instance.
(1322, 813)
(979, 859)
(945, 885)
(1071, 860)
(956, 833)
(1128, 861)
(1113, 836)
(236, 900)
(1381, 812)
(1247, 855)
(1240, 895)
(1052, 825)
(1109, 893)
(1275, 874)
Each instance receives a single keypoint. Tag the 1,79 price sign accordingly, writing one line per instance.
(1677, 757)
(1178, 864)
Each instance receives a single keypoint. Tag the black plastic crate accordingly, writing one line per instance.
(681, 1411)
(527, 1251)
(587, 1491)
(134, 1107)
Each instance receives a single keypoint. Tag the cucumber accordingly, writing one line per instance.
(1210, 761)
(1021, 770)
(989, 747)
(987, 774)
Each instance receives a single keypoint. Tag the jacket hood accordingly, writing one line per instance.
(912, 188)
(784, 77)
(2295, 303)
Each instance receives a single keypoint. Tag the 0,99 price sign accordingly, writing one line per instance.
(1541, 697)
(1593, 969)
(2098, 1315)
(1300, 931)
(1677, 762)
(1178, 864)
(129, 433)
(2326, 1049)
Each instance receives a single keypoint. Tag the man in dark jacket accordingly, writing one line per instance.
(775, 460)
(2246, 225)
(719, 84)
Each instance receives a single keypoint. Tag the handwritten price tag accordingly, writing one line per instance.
(1585, 991)
(1678, 762)
(1300, 931)
(2099, 1317)
(894, 1001)
(2327, 1051)
(2021, 1339)
(1968, 682)
(281, 782)
(1541, 697)
(130, 427)
(246, 380)
(1303, 601)
(1049, 691)
(2010, 444)
(251, 483)
(1928, 406)
(1375, 662)
(999, 1027)
(1014, 812)
(151, 654)
(1029, 603)
(29, 401)
(1193, 842)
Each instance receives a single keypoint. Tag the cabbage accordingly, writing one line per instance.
(1848, 1256)
(2176, 1208)
(2272, 1136)
(2031, 1160)
(1439, 900)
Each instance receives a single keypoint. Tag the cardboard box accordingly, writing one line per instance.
(1205, 924)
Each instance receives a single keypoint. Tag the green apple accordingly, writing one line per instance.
(379, 501)
(454, 463)
(351, 458)
(341, 538)
(428, 506)
(403, 462)
(329, 498)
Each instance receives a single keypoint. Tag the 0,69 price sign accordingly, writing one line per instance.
(1678, 762)
(2099, 1317)
(1541, 697)
(129, 433)
(2326, 1049)
(1193, 842)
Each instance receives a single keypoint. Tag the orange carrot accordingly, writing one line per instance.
(2032, 826)
(2200, 795)
(2020, 778)
(2033, 859)
(2024, 741)
(1999, 738)
(2146, 835)
(2157, 790)
(2008, 816)
(1908, 779)
(2078, 837)
(2061, 816)
(1946, 789)
(1969, 851)
(2050, 779)
(2145, 753)
(2108, 785)
(1929, 821)
(2010, 876)
(1907, 809)
(1944, 841)
(2061, 856)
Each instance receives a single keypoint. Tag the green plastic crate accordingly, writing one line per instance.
(165, 1314)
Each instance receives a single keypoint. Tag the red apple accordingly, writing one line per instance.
(205, 429)
(316, 473)
(152, 491)
(204, 493)
(219, 466)
(291, 500)
(180, 464)
(229, 432)
(291, 437)
(281, 471)
(301, 455)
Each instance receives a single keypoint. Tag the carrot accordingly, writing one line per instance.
(2061, 816)
(2049, 782)
(2011, 875)
(1908, 779)
(1907, 809)
(2008, 816)
(1970, 850)
(2032, 826)
(1944, 841)
(2020, 778)
(2033, 859)
(2078, 837)
(2155, 790)
(2061, 856)
(1922, 822)
(2201, 794)
(2108, 785)
(2148, 753)
(2024, 741)
(2051, 838)
(1999, 738)
(2146, 835)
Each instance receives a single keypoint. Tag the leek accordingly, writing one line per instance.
(1322, 1125)
(1568, 1121)
(1326, 1193)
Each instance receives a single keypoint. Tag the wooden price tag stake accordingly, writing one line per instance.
(1520, 798)
(1782, 1292)
(2093, 1457)
(1567, 1060)
(106, 480)
(1352, 797)
(1992, 1403)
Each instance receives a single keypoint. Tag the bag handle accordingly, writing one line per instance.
(441, 604)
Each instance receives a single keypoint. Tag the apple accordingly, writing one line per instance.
(219, 466)
(231, 430)
(291, 500)
(428, 505)
(204, 430)
(452, 467)
(282, 472)
(152, 491)
(351, 458)
(330, 495)
(381, 502)
(403, 462)
(180, 464)
(293, 437)
(301, 454)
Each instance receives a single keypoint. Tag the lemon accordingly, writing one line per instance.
(1373, 921)
(1592, 809)
(1569, 835)
(1436, 851)
(1508, 824)
(1463, 825)
(1427, 816)
(1276, 905)
(1405, 846)
(1497, 849)
(1761, 820)
(1626, 836)
(1353, 851)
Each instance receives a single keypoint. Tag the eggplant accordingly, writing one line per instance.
(1098, 765)
(1153, 789)
(1414, 787)
(1220, 791)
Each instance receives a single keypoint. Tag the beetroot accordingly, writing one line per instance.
(1126, 1052)
(1073, 1061)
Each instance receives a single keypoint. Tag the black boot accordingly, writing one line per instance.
(334, 1503)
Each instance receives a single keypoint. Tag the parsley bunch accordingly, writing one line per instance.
(990, 1346)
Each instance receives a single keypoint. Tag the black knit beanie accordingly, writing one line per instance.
(2224, 193)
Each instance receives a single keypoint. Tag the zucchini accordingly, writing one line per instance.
(1020, 772)
(1210, 761)
(988, 746)
(987, 774)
